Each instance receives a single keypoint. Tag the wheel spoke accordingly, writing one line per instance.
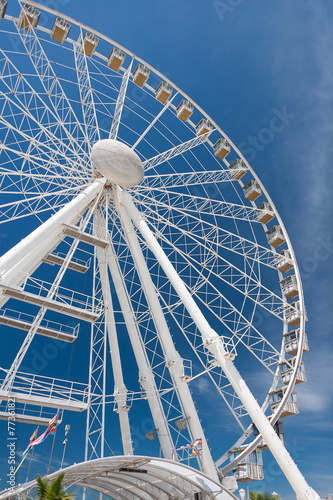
(120, 103)
(197, 204)
(86, 93)
(53, 89)
(191, 221)
(169, 181)
(175, 151)
(45, 119)
(225, 311)
(155, 120)
(36, 202)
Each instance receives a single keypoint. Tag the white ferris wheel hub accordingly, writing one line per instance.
(117, 162)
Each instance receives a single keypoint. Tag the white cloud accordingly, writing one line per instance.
(312, 400)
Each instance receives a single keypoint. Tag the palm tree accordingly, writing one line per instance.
(52, 491)
(256, 495)
(42, 487)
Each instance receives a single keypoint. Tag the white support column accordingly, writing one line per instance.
(9, 379)
(173, 360)
(24, 256)
(146, 376)
(215, 345)
(120, 389)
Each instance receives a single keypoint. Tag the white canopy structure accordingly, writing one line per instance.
(126, 478)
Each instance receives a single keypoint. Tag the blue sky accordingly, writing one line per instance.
(244, 62)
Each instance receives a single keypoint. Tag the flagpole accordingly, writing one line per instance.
(54, 435)
(25, 456)
(52, 427)
(67, 429)
(33, 449)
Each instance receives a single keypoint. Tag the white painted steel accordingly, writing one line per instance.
(120, 103)
(95, 421)
(215, 344)
(208, 334)
(155, 120)
(146, 376)
(170, 181)
(10, 377)
(120, 390)
(123, 478)
(172, 358)
(86, 93)
(51, 85)
(171, 153)
(21, 256)
(117, 162)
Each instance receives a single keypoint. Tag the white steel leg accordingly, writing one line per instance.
(23, 255)
(146, 376)
(95, 429)
(173, 360)
(120, 389)
(215, 345)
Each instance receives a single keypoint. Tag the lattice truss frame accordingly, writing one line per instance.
(51, 113)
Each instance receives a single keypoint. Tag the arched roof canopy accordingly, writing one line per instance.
(129, 478)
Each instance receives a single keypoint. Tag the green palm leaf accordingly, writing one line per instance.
(52, 491)
(257, 495)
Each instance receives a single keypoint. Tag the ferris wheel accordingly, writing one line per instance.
(143, 225)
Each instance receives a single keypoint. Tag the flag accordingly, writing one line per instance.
(196, 447)
(33, 437)
(50, 428)
(26, 451)
(173, 458)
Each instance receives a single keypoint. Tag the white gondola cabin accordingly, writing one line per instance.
(287, 370)
(140, 75)
(163, 92)
(250, 468)
(291, 342)
(60, 30)
(292, 314)
(283, 261)
(116, 59)
(275, 236)
(184, 110)
(221, 148)
(238, 168)
(289, 286)
(29, 17)
(278, 427)
(290, 407)
(265, 213)
(3, 7)
(204, 127)
(252, 190)
(89, 44)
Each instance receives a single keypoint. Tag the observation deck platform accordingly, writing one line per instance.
(53, 305)
(75, 233)
(57, 259)
(50, 329)
(37, 390)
